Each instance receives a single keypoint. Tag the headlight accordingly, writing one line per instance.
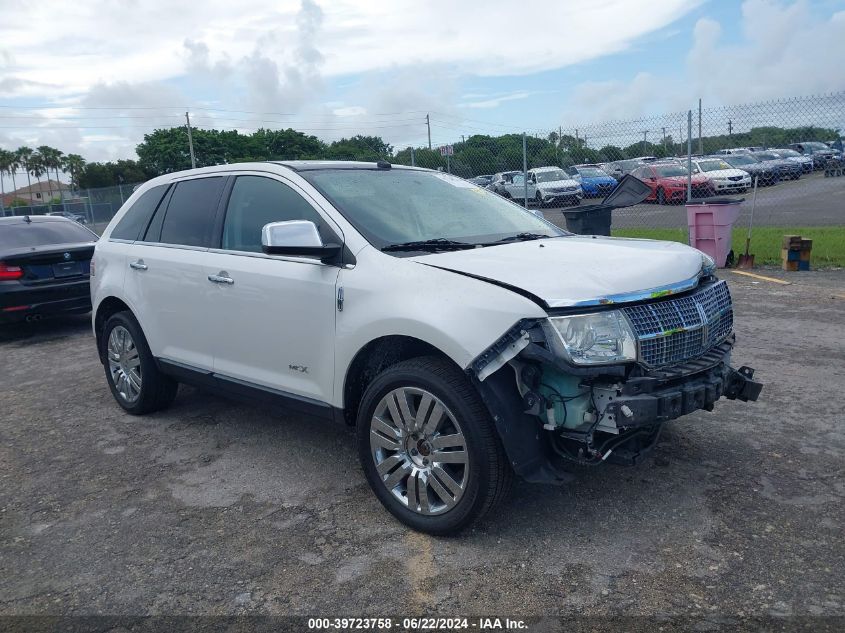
(594, 339)
(708, 264)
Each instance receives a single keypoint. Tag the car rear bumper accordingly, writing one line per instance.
(21, 303)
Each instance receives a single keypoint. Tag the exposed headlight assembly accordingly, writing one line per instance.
(601, 338)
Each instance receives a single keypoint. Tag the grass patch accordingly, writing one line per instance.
(828, 241)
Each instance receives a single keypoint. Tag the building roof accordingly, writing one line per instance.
(45, 186)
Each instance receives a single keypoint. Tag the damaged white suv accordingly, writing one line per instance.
(465, 338)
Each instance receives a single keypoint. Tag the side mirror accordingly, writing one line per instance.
(296, 237)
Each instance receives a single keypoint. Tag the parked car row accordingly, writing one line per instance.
(809, 154)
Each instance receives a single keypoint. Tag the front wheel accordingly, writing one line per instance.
(661, 196)
(134, 379)
(428, 447)
(538, 198)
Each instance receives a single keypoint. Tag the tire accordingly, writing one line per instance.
(574, 202)
(506, 195)
(436, 497)
(124, 352)
(538, 199)
(660, 196)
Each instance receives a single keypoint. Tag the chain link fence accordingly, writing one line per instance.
(791, 147)
(92, 207)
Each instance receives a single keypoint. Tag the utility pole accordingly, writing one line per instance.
(463, 139)
(190, 141)
(428, 124)
(525, 169)
(700, 141)
(730, 127)
(689, 155)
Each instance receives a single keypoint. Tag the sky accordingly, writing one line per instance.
(92, 77)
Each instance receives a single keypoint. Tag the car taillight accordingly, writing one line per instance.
(10, 272)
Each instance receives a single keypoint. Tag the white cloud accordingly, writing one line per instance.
(785, 51)
(78, 45)
(494, 101)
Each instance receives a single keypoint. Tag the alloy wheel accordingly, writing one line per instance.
(419, 450)
(124, 364)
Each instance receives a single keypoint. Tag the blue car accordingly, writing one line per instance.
(594, 182)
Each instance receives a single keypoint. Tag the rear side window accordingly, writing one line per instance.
(138, 216)
(189, 218)
(256, 201)
(35, 233)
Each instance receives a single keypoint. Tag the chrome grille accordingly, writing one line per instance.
(675, 330)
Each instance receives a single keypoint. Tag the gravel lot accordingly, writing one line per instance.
(216, 507)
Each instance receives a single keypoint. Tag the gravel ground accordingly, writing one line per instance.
(216, 507)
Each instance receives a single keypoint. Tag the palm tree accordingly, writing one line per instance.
(50, 160)
(14, 166)
(24, 156)
(36, 167)
(6, 160)
(73, 163)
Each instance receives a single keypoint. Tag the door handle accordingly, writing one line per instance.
(138, 265)
(221, 278)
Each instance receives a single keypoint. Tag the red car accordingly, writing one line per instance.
(668, 182)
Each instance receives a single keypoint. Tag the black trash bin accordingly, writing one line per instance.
(595, 219)
(592, 220)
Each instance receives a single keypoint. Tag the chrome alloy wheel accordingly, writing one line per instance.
(419, 450)
(124, 364)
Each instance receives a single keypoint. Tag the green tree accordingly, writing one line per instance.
(360, 148)
(73, 164)
(7, 158)
(24, 155)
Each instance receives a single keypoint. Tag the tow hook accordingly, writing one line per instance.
(740, 385)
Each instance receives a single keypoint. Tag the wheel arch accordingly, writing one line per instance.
(107, 307)
(376, 356)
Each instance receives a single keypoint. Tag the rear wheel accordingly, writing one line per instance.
(134, 379)
(428, 447)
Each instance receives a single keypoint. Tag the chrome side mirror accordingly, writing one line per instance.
(296, 237)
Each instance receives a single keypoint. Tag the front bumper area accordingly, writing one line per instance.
(558, 414)
(644, 403)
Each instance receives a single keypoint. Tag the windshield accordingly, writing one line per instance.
(815, 145)
(766, 156)
(43, 233)
(551, 176)
(737, 159)
(788, 152)
(713, 165)
(667, 171)
(406, 205)
(591, 172)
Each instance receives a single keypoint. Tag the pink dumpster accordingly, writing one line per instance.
(710, 223)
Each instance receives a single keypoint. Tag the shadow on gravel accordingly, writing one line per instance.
(48, 329)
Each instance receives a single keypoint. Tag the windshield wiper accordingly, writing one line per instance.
(523, 237)
(436, 244)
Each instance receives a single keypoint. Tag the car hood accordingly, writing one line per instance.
(579, 270)
(598, 180)
(555, 184)
(726, 173)
(697, 179)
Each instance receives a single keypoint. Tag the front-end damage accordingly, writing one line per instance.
(552, 413)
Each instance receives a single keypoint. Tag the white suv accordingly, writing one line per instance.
(465, 338)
